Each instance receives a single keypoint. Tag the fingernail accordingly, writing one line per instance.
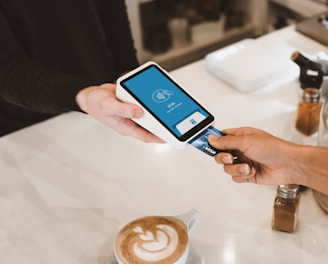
(227, 159)
(212, 137)
(137, 113)
(244, 168)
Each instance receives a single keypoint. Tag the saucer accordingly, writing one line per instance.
(193, 258)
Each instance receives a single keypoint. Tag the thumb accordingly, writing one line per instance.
(123, 109)
(224, 142)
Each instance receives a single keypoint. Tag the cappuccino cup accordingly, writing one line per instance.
(156, 239)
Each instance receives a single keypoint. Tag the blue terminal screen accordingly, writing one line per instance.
(171, 105)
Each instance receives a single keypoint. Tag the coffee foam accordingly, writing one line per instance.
(152, 240)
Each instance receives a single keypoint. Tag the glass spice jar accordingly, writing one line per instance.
(308, 113)
(311, 78)
(285, 209)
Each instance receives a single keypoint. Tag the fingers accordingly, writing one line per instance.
(239, 172)
(101, 100)
(234, 139)
(250, 179)
(116, 107)
(127, 127)
(101, 103)
(224, 142)
(113, 107)
(241, 131)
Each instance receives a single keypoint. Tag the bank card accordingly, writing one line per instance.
(201, 141)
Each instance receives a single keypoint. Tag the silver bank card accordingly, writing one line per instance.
(201, 141)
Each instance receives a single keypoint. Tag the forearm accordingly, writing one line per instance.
(311, 165)
(29, 86)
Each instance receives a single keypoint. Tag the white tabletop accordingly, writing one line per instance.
(66, 185)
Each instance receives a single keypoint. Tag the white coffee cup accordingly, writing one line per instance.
(156, 239)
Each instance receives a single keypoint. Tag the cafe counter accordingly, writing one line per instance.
(68, 184)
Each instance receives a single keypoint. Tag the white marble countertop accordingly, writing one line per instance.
(66, 185)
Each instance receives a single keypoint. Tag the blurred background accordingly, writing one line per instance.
(177, 32)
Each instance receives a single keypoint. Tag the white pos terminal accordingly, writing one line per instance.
(169, 111)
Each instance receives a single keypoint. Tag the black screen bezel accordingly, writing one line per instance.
(189, 133)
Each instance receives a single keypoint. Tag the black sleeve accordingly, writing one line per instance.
(27, 84)
(117, 29)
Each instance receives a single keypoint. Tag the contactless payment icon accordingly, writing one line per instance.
(161, 95)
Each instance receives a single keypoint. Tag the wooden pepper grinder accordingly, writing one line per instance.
(311, 78)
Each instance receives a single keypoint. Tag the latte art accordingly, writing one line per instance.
(152, 240)
(152, 247)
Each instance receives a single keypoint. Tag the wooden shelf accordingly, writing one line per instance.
(305, 8)
(256, 11)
